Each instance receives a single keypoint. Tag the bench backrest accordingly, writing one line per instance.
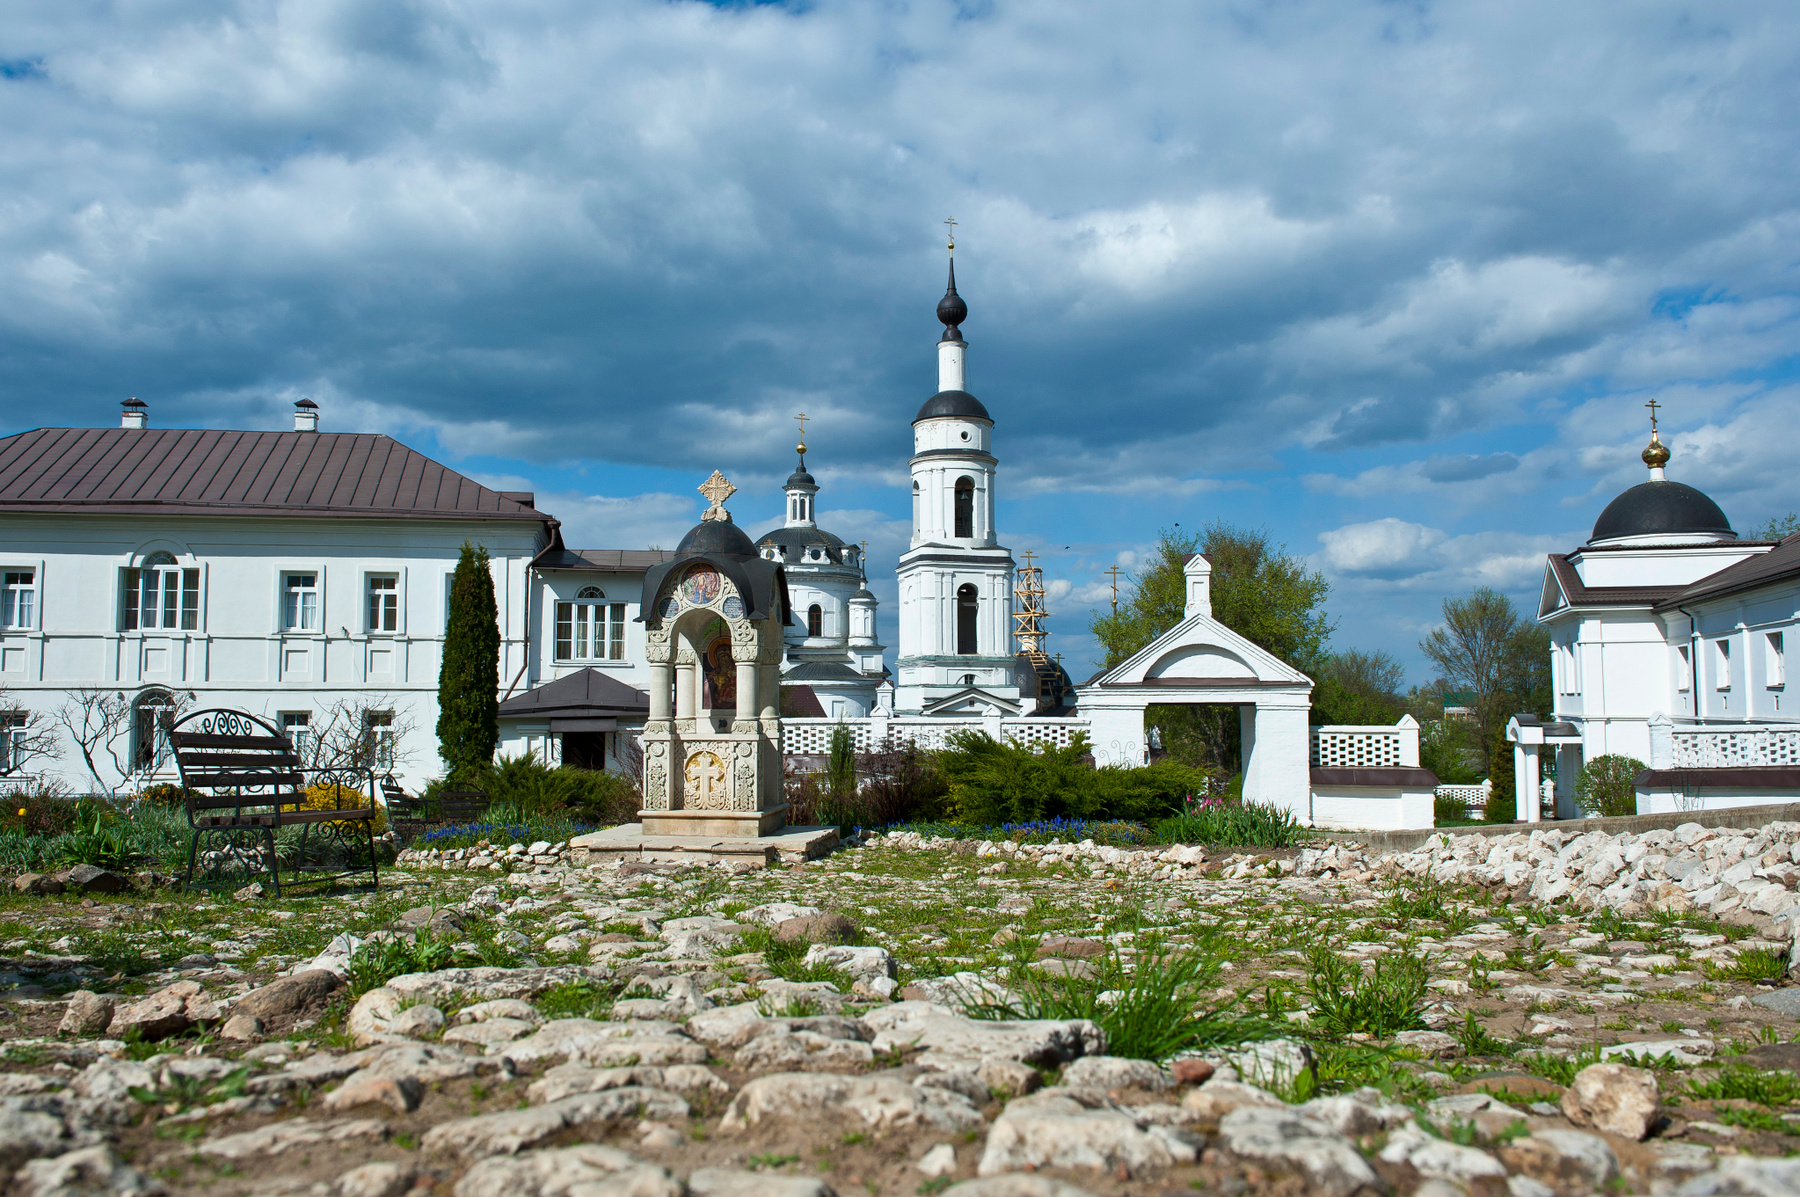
(233, 759)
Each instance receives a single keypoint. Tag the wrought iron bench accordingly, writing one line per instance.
(448, 807)
(245, 783)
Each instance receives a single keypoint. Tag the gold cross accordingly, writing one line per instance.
(1652, 406)
(716, 489)
(1113, 573)
(1028, 556)
(803, 418)
(951, 221)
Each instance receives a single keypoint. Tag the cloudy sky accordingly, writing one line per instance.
(1392, 280)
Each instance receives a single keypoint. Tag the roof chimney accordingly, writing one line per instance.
(306, 416)
(135, 415)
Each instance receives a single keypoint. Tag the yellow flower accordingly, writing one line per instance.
(21, 812)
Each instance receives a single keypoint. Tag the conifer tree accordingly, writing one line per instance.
(469, 678)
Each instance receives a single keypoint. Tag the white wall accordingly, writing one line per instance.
(239, 654)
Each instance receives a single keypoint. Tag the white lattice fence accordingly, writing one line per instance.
(1362, 748)
(1473, 798)
(812, 737)
(1760, 748)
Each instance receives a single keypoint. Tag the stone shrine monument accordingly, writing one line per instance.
(714, 617)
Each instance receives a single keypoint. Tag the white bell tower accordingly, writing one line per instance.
(956, 653)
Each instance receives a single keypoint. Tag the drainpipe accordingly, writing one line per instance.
(1693, 660)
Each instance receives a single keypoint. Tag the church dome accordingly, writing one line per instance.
(794, 542)
(956, 404)
(715, 536)
(799, 478)
(1661, 508)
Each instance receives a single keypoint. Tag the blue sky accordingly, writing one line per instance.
(1392, 280)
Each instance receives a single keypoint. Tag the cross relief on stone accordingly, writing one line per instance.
(706, 774)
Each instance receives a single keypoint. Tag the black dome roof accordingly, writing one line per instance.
(953, 403)
(1660, 508)
(803, 538)
(715, 536)
(799, 478)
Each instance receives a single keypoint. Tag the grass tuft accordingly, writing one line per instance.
(1346, 1000)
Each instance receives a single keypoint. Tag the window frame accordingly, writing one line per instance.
(1775, 664)
(389, 608)
(815, 622)
(19, 596)
(1684, 656)
(968, 620)
(15, 726)
(379, 733)
(587, 628)
(962, 508)
(174, 611)
(1722, 663)
(297, 727)
(315, 587)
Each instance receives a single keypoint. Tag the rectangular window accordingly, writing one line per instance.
(162, 596)
(1722, 664)
(18, 598)
(300, 602)
(384, 603)
(378, 731)
(1777, 662)
(12, 739)
(590, 631)
(1686, 666)
(297, 727)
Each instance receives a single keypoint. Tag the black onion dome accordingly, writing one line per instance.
(715, 536)
(958, 404)
(799, 478)
(1661, 509)
(793, 542)
(951, 310)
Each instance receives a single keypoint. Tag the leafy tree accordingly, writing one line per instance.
(1608, 785)
(1259, 591)
(469, 678)
(1778, 528)
(1502, 661)
(1353, 686)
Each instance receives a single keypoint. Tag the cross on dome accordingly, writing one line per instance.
(717, 489)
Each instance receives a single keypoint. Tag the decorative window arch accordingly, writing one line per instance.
(815, 621)
(160, 593)
(965, 506)
(151, 713)
(967, 611)
(589, 628)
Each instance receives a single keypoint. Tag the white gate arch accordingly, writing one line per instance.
(1201, 661)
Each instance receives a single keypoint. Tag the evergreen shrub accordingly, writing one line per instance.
(468, 724)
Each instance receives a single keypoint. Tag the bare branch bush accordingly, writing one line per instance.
(30, 735)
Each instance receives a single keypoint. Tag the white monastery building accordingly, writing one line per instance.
(1669, 644)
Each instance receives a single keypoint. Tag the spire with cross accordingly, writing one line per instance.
(1656, 454)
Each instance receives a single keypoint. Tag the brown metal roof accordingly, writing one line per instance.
(624, 561)
(206, 471)
(1777, 565)
(1579, 594)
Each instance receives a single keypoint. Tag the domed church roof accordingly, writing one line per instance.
(959, 404)
(715, 536)
(1661, 509)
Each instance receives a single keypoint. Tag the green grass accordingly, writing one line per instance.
(787, 959)
(1236, 825)
(1558, 1070)
(1753, 1120)
(1752, 965)
(1476, 1040)
(578, 999)
(1158, 1002)
(1737, 1082)
(1347, 1000)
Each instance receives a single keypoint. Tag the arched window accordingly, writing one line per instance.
(160, 594)
(151, 714)
(965, 619)
(590, 629)
(915, 505)
(965, 506)
(815, 620)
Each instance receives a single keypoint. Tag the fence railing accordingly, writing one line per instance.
(812, 737)
(1735, 748)
(1367, 746)
(1474, 799)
